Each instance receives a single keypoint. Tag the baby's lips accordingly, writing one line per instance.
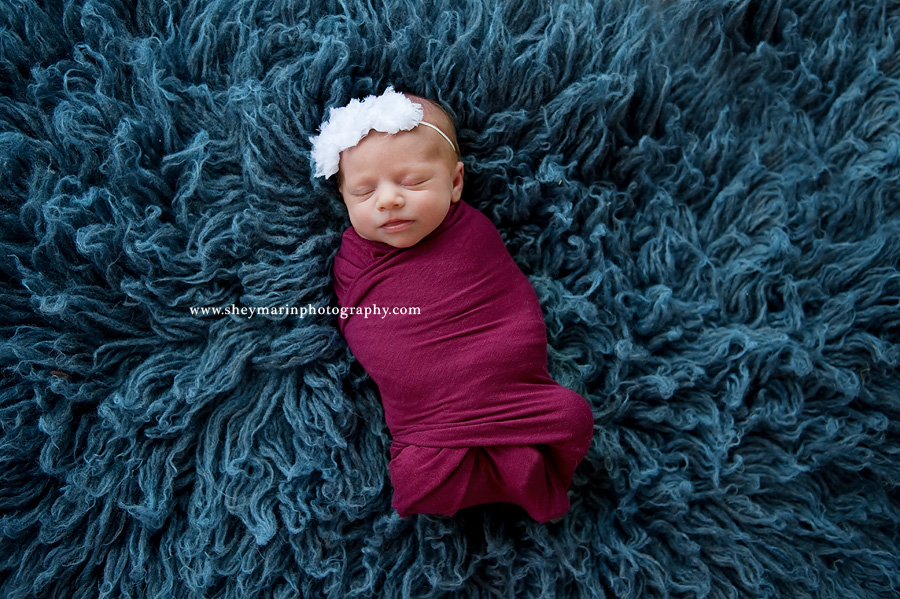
(396, 225)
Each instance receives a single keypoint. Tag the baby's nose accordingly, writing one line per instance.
(389, 197)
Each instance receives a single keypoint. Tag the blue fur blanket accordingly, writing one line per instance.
(705, 195)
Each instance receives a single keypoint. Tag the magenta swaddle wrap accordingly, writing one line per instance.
(474, 415)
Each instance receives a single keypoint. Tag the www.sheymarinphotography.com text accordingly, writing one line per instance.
(373, 311)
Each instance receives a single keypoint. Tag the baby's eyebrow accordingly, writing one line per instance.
(355, 180)
(419, 176)
(358, 185)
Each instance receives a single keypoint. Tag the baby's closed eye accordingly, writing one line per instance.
(362, 192)
(414, 181)
(414, 177)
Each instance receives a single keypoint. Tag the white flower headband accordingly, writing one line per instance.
(347, 126)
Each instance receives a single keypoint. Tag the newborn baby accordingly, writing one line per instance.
(473, 413)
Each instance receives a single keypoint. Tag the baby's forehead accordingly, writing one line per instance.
(417, 143)
(387, 152)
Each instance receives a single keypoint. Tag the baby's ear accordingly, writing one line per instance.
(458, 176)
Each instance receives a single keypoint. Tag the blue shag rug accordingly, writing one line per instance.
(706, 196)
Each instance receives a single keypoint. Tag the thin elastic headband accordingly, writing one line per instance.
(444, 135)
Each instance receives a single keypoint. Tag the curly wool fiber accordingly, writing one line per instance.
(704, 195)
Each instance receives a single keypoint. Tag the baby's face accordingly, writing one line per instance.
(398, 188)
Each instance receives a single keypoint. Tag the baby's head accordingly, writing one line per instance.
(397, 163)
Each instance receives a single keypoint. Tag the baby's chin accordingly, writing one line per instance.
(398, 241)
(403, 243)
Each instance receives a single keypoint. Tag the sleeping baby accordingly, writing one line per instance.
(473, 413)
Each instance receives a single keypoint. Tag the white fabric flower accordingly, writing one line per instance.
(390, 112)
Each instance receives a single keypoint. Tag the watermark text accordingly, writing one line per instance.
(373, 311)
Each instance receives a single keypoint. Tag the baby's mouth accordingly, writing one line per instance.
(395, 225)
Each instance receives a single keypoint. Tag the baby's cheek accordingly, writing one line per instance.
(359, 222)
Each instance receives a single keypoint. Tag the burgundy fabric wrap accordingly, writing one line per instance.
(474, 415)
